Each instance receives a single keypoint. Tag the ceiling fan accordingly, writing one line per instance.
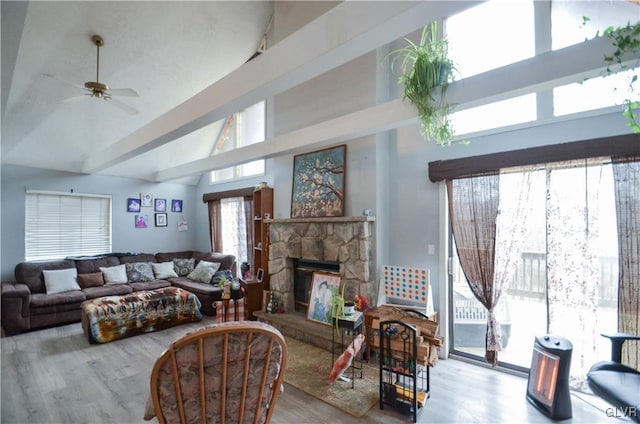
(98, 89)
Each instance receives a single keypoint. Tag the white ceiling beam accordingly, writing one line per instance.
(571, 64)
(344, 33)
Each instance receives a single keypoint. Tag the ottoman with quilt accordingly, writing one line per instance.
(109, 318)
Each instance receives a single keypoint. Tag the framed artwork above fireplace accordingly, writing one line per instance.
(323, 287)
(318, 183)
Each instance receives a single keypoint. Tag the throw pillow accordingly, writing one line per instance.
(163, 270)
(139, 271)
(220, 275)
(61, 280)
(95, 279)
(114, 274)
(184, 267)
(204, 271)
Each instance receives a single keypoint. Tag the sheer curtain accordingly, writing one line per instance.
(573, 265)
(626, 171)
(234, 228)
(488, 233)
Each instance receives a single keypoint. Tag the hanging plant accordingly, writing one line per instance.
(626, 43)
(426, 71)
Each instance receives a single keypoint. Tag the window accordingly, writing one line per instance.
(566, 30)
(477, 44)
(58, 225)
(234, 228)
(241, 129)
(477, 41)
(566, 273)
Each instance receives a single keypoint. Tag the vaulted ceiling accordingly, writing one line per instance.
(187, 62)
(166, 51)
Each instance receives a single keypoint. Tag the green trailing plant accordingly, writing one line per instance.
(426, 71)
(626, 43)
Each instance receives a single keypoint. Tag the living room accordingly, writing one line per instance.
(387, 160)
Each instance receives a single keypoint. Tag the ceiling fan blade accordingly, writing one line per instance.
(123, 106)
(125, 92)
(73, 84)
(75, 99)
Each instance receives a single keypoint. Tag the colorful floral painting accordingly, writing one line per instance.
(318, 183)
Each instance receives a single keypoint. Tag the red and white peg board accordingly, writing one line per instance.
(406, 283)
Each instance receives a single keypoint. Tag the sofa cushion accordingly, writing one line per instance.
(40, 300)
(169, 256)
(219, 276)
(107, 290)
(94, 279)
(61, 280)
(183, 267)
(203, 272)
(30, 273)
(115, 274)
(164, 270)
(138, 257)
(196, 287)
(90, 265)
(139, 271)
(149, 285)
(225, 261)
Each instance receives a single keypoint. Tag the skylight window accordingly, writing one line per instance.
(241, 129)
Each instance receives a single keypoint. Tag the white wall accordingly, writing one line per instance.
(125, 237)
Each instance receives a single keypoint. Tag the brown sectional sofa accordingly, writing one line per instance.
(27, 306)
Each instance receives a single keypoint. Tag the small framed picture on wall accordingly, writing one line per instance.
(147, 199)
(133, 204)
(161, 220)
(142, 221)
(176, 205)
(160, 205)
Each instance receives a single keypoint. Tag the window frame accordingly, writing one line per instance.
(93, 236)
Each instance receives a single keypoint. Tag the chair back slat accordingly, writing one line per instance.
(176, 379)
(225, 373)
(203, 399)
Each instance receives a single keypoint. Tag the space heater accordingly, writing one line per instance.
(548, 384)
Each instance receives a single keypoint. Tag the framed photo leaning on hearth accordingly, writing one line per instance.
(323, 287)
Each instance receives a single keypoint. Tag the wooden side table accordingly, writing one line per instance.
(254, 296)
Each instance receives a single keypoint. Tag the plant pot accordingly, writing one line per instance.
(443, 70)
(349, 308)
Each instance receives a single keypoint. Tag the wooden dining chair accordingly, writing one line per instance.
(225, 373)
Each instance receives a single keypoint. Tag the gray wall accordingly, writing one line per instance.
(125, 237)
(388, 172)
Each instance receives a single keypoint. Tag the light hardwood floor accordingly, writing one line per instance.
(56, 376)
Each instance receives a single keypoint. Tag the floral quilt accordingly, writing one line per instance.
(113, 317)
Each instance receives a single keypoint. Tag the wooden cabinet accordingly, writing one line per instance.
(262, 208)
(254, 297)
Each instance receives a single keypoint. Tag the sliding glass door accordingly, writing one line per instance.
(565, 277)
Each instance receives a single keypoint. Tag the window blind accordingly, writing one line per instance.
(58, 225)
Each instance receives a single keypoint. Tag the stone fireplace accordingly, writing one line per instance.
(348, 241)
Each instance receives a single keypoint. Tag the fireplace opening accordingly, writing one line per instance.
(303, 270)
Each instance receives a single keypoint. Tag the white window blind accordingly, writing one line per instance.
(58, 225)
